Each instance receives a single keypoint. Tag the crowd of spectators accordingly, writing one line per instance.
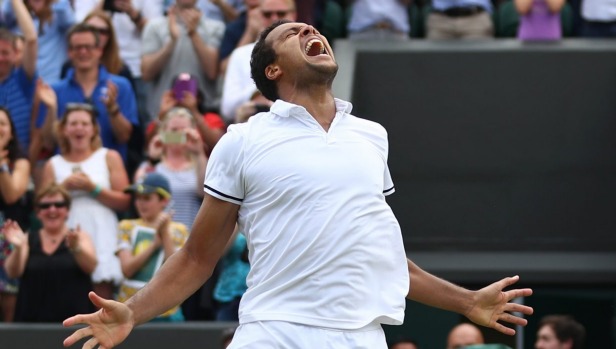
(96, 97)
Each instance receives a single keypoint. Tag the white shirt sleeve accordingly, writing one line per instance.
(224, 172)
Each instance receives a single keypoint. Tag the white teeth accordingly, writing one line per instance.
(309, 45)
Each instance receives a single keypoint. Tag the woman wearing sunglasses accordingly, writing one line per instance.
(96, 178)
(54, 264)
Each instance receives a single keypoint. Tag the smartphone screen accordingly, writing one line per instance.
(173, 137)
(184, 83)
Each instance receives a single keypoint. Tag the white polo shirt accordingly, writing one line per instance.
(324, 246)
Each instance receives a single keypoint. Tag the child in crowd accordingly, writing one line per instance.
(145, 243)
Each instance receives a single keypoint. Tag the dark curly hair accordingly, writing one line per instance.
(263, 54)
(15, 151)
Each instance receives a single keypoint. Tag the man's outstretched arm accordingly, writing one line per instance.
(487, 307)
(179, 277)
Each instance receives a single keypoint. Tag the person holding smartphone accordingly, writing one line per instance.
(179, 146)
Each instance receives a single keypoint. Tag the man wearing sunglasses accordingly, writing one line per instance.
(238, 88)
(246, 28)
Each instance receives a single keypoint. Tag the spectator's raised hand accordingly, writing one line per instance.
(167, 102)
(110, 98)
(191, 18)
(46, 94)
(79, 181)
(189, 101)
(14, 234)
(254, 22)
(194, 143)
(72, 238)
(174, 29)
(125, 6)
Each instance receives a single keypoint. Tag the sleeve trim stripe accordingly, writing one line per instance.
(388, 191)
(222, 194)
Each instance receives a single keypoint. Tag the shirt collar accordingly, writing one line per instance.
(286, 109)
(103, 74)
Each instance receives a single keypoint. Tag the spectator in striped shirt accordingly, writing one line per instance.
(17, 81)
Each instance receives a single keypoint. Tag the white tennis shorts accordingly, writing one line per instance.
(287, 335)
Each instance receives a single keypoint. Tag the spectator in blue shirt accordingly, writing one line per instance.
(18, 79)
(89, 82)
(52, 20)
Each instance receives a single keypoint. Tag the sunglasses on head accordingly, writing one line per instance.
(279, 14)
(56, 204)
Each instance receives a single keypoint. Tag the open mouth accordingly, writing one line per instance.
(314, 47)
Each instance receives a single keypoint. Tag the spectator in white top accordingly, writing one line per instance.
(598, 19)
(238, 87)
(378, 20)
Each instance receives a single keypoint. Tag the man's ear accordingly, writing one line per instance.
(272, 72)
(568, 343)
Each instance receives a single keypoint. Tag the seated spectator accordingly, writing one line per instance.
(386, 19)
(54, 264)
(464, 334)
(145, 243)
(539, 19)
(18, 78)
(53, 20)
(466, 19)
(560, 331)
(96, 178)
(238, 86)
(14, 175)
(111, 96)
(184, 41)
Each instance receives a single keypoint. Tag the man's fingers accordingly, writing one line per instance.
(77, 335)
(512, 319)
(91, 343)
(98, 301)
(518, 308)
(519, 292)
(504, 329)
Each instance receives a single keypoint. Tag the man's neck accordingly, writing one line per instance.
(87, 78)
(319, 102)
